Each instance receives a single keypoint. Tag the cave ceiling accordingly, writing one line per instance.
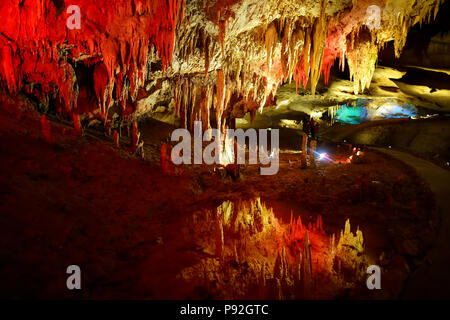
(205, 60)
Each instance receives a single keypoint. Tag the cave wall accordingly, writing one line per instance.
(427, 45)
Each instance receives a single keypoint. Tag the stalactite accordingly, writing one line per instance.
(328, 61)
(222, 24)
(302, 70)
(271, 36)
(318, 45)
(26, 35)
(206, 46)
(297, 43)
(362, 61)
(124, 39)
(224, 13)
(220, 96)
(134, 135)
(285, 51)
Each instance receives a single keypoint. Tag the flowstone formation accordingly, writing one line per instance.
(253, 255)
(197, 60)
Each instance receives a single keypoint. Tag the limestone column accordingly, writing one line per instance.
(303, 164)
(313, 149)
(304, 143)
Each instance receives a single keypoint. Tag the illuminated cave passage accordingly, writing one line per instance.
(352, 98)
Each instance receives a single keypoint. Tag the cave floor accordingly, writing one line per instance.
(80, 200)
(435, 271)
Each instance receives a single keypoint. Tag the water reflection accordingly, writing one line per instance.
(364, 110)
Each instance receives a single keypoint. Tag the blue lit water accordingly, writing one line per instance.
(364, 110)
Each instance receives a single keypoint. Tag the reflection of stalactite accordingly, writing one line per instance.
(332, 112)
(348, 239)
(266, 262)
(262, 281)
(307, 271)
(219, 237)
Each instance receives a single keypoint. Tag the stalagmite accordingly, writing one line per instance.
(77, 123)
(46, 129)
(304, 150)
(313, 145)
(116, 138)
(135, 136)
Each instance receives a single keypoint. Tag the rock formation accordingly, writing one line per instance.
(200, 60)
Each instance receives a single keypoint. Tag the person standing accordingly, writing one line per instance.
(315, 130)
(312, 124)
(306, 126)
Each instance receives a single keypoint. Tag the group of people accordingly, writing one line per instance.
(311, 128)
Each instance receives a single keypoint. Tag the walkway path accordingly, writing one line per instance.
(431, 280)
